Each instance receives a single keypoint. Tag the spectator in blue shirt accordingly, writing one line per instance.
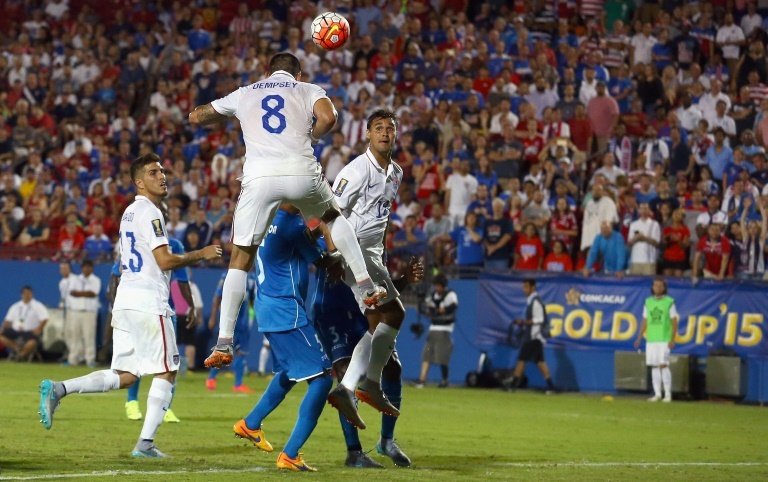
(411, 240)
(98, 247)
(719, 155)
(610, 249)
(469, 242)
(199, 39)
(481, 206)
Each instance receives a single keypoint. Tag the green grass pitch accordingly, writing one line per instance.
(453, 434)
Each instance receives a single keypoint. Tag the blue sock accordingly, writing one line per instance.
(351, 437)
(276, 391)
(393, 389)
(133, 391)
(212, 374)
(238, 369)
(309, 411)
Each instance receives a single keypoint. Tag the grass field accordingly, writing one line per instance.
(449, 434)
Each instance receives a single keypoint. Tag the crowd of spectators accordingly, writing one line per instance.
(604, 136)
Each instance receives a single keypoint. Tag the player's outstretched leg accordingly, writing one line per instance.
(249, 428)
(356, 458)
(309, 412)
(158, 401)
(232, 297)
(369, 390)
(393, 389)
(132, 408)
(52, 392)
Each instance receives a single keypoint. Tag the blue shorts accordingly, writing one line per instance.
(339, 332)
(298, 353)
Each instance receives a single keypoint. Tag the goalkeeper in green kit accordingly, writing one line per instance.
(659, 328)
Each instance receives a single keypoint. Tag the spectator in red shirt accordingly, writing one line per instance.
(715, 250)
(677, 240)
(563, 226)
(558, 260)
(71, 239)
(581, 129)
(529, 251)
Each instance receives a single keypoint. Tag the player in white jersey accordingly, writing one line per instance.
(144, 341)
(365, 190)
(276, 116)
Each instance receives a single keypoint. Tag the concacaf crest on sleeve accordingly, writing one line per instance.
(158, 227)
(340, 188)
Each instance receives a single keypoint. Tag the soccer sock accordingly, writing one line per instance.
(263, 358)
(276, 391)
(133, 391)
(346, 242)
(158, 400)
(351, 437)
(666, 379)
(444, 372)
(238, 369)
(358, 363)
(309, 411)
(173, 395)
(550, 385)
(656, 378)
(213, 373)
(94, 382)
(393, 389)
(232, 296)
(382, 344)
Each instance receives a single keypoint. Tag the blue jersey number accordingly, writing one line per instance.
(134, 266)
(271, 111)
(383, 208)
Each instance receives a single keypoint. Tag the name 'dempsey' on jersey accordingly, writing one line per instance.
(274, 85)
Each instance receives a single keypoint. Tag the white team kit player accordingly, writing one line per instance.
(143, 337)
(365, 190)
(276, 116)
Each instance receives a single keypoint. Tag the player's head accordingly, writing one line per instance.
(440, 282)
(659, 287)
(87, 267)
(529, 286)
(286, 62)
(149, 176)
(382, 130)
(26, 293)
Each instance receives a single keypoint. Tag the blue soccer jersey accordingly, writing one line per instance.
(283, 260)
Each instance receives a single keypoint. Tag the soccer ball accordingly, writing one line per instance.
(330, 30)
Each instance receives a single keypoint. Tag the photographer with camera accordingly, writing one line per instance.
(440, 306)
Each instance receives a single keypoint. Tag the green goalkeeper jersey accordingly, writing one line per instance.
(659, 313)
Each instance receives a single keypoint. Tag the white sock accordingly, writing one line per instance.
(382, 344)
(263, 358)
(666, 379)
(656, 377)
(232, 296)
(346, 241)
(158, 401)
(359, 362)
(94, 382)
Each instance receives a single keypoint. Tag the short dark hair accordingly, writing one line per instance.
(440, 279)
(285, 61)
(530, 282)
(140, 162)
(86, 262)
(381, 114)
(26, 287)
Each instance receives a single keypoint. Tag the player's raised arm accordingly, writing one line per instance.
(205, 114)
(325, 115)
(167, 260)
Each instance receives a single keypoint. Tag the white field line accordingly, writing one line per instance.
(117, 473)
(535, 465)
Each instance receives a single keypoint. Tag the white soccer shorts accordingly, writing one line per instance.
(657, 353)
(372, 254)
(143, 343)
(261, 196)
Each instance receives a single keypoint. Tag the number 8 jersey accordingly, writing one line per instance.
(276, 117)
(143, 285)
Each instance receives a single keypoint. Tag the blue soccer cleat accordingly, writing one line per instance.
(48, 403)
(148, 452)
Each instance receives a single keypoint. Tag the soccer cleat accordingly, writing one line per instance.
(342, 400)
(48, 403)
(654, 398)
(297, 465)
(372, 297)
(221, 356)
(132, 410)
(256, 436)
(667, 399)
(210, 384)
(360, 460)
(242, 389)
(151, 452)
(170, 417)
(370, 392)
(394, 452)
